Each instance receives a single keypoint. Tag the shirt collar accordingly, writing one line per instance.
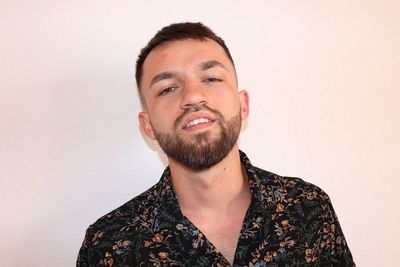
(255, 183)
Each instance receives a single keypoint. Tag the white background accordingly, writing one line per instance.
(324, 81)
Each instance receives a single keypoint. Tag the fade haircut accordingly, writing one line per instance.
(176, 32)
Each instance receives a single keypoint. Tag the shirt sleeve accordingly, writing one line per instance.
(334, 249)
(83, 255)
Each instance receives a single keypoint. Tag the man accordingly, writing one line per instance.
(211, 207)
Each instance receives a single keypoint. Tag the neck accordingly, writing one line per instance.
(220, 188)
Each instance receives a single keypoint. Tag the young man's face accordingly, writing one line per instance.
(193, 104)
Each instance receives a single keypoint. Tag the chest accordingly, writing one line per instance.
(223, 233)
(184, 245)
(225, 240)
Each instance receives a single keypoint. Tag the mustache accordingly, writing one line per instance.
(218, 116)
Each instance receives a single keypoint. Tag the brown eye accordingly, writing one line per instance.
(166, 91)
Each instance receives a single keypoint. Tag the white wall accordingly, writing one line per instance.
(324, 81)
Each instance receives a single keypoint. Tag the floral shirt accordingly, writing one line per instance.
(289, 223)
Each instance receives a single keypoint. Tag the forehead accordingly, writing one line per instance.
(182, 55)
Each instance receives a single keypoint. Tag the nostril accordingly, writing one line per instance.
(195, 107)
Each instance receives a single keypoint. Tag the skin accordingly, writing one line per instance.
(181, 74)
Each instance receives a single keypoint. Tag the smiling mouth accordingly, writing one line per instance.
(196, 122)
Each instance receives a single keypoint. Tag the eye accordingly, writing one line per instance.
(166, 90)
(212, 80)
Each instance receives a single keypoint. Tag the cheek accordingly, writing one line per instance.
(229, 102)
(162, 118)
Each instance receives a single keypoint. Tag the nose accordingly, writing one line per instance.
(192, 95)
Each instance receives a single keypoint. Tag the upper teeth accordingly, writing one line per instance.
(197, 121)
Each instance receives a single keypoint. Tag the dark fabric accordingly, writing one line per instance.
(289, 223)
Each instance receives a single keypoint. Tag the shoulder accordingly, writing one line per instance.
(302, 212)
(292, 196)
(118, 232)
(281, 183)
(128, 216)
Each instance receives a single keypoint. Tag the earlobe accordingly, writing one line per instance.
(146, 125)
(244, 104)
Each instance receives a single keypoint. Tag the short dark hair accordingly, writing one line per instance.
(175, 32)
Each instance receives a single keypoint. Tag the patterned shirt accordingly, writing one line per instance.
(289, 223)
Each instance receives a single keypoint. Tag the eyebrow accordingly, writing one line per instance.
(171, 74)
(162, 76)
(210, 64)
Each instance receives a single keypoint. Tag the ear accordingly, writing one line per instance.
(146, 125)
(244, 104)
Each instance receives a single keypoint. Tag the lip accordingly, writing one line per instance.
(196, 115)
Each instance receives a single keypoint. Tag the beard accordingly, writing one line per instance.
(204, 152)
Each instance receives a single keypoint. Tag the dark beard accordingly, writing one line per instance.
(202, 153)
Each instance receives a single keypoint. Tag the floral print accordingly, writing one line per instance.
(289, 223)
